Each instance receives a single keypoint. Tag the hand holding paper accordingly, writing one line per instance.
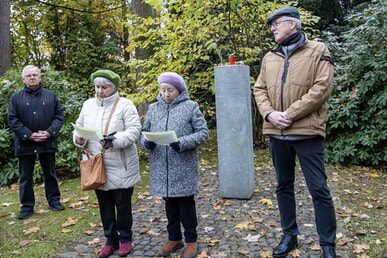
(90, 134)
(162, 138)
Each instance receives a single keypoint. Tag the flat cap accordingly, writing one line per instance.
(286, 11)
(110, 75)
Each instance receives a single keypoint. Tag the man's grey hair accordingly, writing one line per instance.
(30, 67)
(297, 21)
(104, 80)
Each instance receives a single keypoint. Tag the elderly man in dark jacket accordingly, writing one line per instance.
(35, 116)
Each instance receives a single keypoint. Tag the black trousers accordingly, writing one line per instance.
(310, 153)
(26, 171)
(115, 208)
(181, 210)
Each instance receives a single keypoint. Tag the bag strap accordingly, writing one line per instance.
(110, 116)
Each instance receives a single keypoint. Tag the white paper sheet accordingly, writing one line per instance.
(90, 134)
(162, 138)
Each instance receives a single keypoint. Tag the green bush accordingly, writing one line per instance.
(357, 123)
(71, 100)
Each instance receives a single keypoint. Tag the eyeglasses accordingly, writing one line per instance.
(274, 25)
(32, 75)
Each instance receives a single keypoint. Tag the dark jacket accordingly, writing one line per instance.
(176, 174)
(30, 111)
(300, 85)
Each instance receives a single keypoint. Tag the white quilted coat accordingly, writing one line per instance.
(121, 161)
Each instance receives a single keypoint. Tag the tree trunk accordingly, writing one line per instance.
(144, 10)
(5, 44)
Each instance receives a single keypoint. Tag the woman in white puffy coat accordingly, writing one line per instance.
(121, 158)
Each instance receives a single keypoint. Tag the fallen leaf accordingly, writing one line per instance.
(84, 198)
(6, 204)
(361, 248)
(29, 221)
(70, 222)
(315, 247)
(41, 211)
(25, 242)
(66, 230)
(66, 200)
(265, 201)
(219, 255)
(363, 256)
(251, 238)
(225, 202)
(31, 230)
(89, 232)
(266, 254)
(209, 241)
(257, 220)
(361, 232)
(203, 254)
(243, 225)
(295, 253)
(94, 241)
(244, 252)
(208, 229)
(77, 204)
(152, 233)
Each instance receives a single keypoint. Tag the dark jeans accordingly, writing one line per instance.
(26, 170)
(310, 153)
(181, 209)
(117, 226)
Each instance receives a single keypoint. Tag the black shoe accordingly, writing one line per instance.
(328, 252)
(56, 206)
(287, 244)
(25, 214)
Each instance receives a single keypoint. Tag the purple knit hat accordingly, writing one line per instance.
(174, 79)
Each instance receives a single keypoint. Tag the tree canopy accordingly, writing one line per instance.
(140, 39)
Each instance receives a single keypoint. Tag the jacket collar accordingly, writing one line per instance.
(299, 43)
(33, 91)
(107, 101)
(182, 97)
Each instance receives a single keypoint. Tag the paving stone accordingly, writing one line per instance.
(218, 235)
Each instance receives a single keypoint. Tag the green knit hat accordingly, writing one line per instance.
(112, 76)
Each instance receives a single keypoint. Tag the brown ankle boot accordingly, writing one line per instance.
(190, 250)
(170, 247)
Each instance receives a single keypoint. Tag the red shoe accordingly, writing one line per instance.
(125, 249)
(107, 251)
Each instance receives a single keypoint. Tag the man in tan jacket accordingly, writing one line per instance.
(292, 93)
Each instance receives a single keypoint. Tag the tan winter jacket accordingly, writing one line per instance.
(301, 87)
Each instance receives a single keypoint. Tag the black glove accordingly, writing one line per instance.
(107, 141)
(175, 146)
(149, 145)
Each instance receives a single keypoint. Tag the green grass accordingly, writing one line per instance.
(363, 210)
(51, 237)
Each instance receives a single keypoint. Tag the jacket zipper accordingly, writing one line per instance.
(166, 152)
(283, 80)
